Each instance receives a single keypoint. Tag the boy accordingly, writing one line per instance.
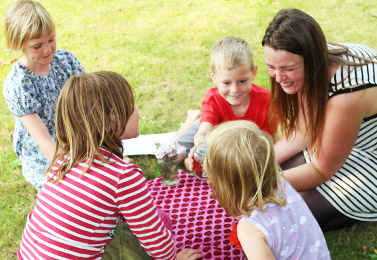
(234, 98)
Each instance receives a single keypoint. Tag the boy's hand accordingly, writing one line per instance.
(189, 254)
(189, 161)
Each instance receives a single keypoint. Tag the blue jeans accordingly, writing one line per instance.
(187, 139)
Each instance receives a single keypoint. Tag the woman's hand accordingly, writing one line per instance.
(189, 254)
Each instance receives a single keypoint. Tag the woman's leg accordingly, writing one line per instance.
(327, 216)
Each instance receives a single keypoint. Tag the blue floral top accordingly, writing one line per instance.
(26, 93)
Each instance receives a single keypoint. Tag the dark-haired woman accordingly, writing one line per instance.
(325, 95)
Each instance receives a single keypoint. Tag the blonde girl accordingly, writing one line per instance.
(275, 222)
(32, 86)
(88, 185)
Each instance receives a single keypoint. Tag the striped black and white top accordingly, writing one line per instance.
(353, 189)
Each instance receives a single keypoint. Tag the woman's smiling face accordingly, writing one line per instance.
(287, 69)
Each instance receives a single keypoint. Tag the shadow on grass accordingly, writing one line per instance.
(355, 242)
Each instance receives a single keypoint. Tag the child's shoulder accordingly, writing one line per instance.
(258, 90)
(213, 90)
(118, 164)
(17, 76)
(67, 62)
(64, 55)
(212, 93)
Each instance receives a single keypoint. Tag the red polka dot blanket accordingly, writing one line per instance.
(197, 219)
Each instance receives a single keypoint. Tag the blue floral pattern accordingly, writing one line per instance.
(26, 93)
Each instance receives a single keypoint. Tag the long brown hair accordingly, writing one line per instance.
(294, 31)
(92, 112)
(242, 169)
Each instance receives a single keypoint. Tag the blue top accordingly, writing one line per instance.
(26, 93)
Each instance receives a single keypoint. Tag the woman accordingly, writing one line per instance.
(325, 97)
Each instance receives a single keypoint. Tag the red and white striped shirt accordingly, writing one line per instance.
(72, 219)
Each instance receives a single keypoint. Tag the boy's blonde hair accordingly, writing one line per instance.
(241, 168)
(26, 20)
(92, 112)
(231, 52)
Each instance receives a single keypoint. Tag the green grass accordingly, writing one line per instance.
(162, 48)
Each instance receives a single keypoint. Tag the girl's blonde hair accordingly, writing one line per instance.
(231, 52)
(241, 168)
(26, 20)
(92, 112)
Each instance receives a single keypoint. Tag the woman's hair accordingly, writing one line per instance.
(231, 52)
(26, 20)
(295, 31)
(241, 168)
(337, 55)
(92, 112)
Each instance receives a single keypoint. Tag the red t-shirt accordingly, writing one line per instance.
(215, 109)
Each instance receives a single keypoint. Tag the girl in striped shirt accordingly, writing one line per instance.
(89, 186)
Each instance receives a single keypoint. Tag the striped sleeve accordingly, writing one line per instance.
(136, 204)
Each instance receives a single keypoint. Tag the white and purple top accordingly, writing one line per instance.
(291, 231)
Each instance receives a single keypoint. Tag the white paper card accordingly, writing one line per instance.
(144, 144)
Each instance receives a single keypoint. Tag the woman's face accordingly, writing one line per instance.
(287, 68)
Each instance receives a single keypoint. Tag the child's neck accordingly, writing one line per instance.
(39, 69)
(240, 110)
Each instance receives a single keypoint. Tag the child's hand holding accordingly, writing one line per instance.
(189, 254)
(189, 161)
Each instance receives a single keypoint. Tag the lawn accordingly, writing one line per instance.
(162, 47)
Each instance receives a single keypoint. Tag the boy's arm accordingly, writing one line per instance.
(38, 131)
(204, 129)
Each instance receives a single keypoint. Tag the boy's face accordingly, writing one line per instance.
(234, 85)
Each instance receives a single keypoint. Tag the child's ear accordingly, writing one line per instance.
(254, 72)
(212, 76)
(112, 116)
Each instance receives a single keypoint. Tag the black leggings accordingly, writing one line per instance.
(328, 217)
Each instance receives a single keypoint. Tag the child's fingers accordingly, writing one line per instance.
(189, 254)
(188, 163)
(126, 159)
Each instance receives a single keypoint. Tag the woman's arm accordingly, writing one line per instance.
(287, 148)
(344, 115)
(253, 242)
(38, 131)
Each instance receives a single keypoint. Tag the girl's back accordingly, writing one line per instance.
(74, 218)
(291, 231)
(89, 186)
